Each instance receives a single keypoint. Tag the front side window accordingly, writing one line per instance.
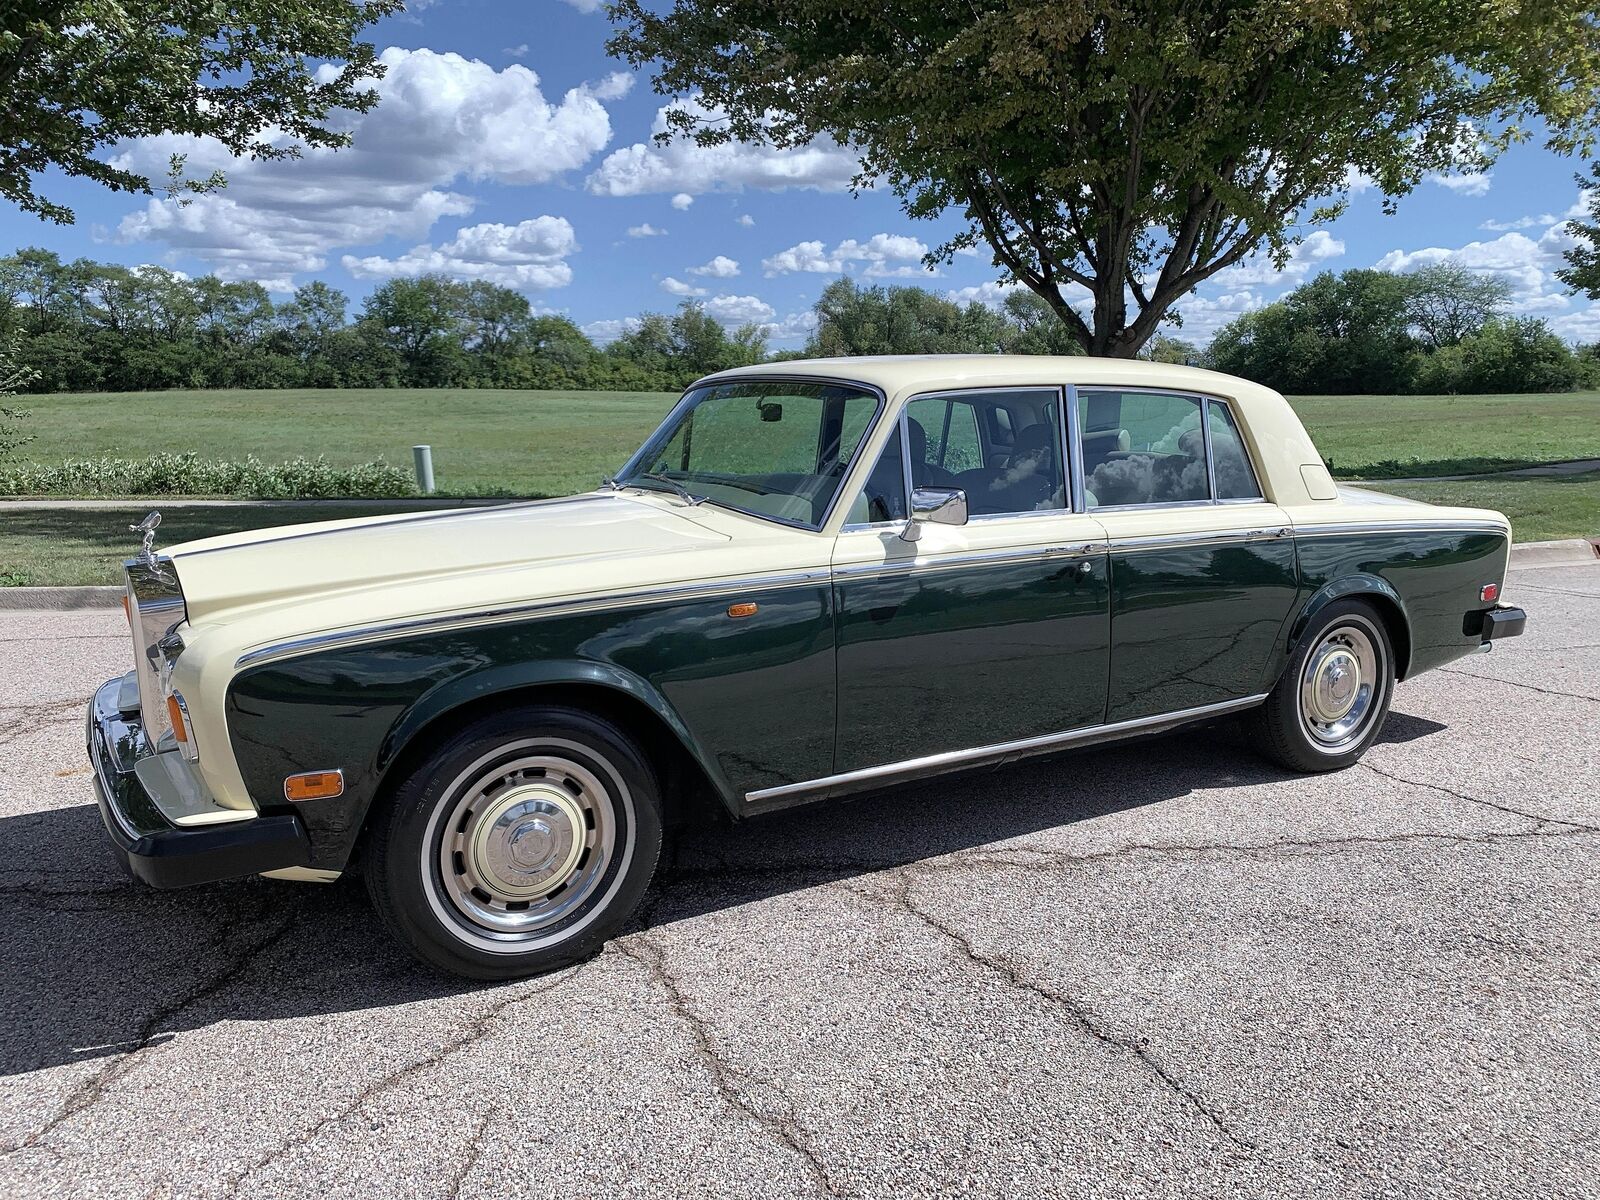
(949, 449)
(771, 449)
(1142, 448)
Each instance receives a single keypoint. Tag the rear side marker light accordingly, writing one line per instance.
(1489, 592)
(314, 785)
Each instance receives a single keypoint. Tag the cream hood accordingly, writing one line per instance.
(330, 574)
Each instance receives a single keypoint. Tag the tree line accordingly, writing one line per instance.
(1438, 331)
(88, 326)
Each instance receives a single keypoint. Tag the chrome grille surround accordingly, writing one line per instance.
(155, 610)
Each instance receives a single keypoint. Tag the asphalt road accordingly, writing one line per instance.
(1156, 969)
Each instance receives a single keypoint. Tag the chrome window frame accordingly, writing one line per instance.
(1205, 400)
(871, 389)
(1072, 484)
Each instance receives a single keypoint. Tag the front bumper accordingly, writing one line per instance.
(154, 849)
(1494, 624)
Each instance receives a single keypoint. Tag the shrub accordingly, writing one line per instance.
(191, 475)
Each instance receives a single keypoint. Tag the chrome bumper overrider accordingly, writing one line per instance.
(155, 850)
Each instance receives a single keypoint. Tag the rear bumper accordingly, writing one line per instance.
(155, 850)
(1494, 624)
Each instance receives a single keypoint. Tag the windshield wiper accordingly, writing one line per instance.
(688, 497)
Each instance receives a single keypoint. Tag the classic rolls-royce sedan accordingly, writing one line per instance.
(814, 578)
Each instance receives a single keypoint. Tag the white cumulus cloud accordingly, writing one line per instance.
(530, 255)
(739, 310)
(746, 220)
(886, 255)
(1525, 264)
(683, 167)
(678, 287)
(442, 120)
(720, 267)
(645, 230)
(1311, 253)
(682, 201)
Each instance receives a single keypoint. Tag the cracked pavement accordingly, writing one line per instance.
(1160, 968)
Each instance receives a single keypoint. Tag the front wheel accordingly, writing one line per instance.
(519, 846)
(1333, 697)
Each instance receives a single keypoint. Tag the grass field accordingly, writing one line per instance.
(484, 442)
(1390, 437)
(553, 443)
(70, 546)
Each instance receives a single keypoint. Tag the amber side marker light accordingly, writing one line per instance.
(175, 715)
(314, 785)
(745, 609)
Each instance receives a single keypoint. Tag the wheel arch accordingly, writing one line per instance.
(689, 776)
(1379, 594)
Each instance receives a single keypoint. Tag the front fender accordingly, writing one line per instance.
(454, 694)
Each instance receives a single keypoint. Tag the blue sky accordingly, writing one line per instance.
(508, 146)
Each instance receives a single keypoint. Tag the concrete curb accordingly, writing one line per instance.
(58, 599)
(1571, 552)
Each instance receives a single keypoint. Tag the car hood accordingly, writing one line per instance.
(333, 573)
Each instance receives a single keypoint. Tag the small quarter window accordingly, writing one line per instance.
(883, 497)
(1235, 479)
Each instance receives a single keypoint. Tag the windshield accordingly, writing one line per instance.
(774, 449)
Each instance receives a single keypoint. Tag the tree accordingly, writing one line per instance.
(1449, 302)
(1338, 334)
(1164, 349)
(852, 319)
(1583, 271)
(1034, 327)
(13, 377)
(263, 77)
(1125, 150)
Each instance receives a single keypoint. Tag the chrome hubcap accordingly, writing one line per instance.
(524, 844)
(1340, 687)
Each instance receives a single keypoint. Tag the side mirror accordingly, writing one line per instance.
(934, 506)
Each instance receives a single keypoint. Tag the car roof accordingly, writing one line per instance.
(899, 373)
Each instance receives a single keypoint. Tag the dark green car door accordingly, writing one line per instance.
(980, 634)
(1203, 572)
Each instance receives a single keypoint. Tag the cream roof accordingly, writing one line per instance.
(896, 373)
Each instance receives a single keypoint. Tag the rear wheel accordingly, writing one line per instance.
(520, 845)
(1333, 697)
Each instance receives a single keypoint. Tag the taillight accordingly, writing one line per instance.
(1489, 592)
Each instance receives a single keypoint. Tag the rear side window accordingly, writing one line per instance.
(1142, 448)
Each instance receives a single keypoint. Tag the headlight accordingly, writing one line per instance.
(155, 610)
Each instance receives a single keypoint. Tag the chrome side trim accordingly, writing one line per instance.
(768, 799)
(1219, 537)
(971, 558)
(703, 589)
(1463, 525)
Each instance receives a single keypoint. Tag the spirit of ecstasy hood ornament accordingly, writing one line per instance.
(147, 527)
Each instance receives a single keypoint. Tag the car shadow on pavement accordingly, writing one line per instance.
(93, 963)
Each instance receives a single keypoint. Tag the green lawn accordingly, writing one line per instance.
(484, 442)
(553, 443)
(1563, 506)
(1391, 437)
(69, 546)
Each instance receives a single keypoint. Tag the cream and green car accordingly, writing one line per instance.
(814, 578)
